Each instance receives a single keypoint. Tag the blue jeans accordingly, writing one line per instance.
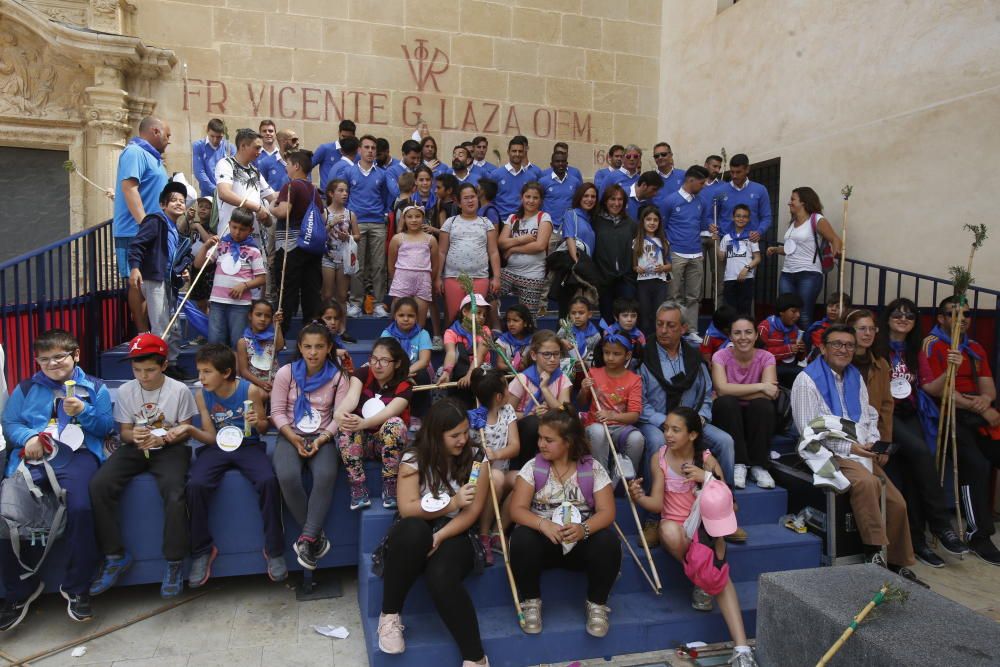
(718, 441)
(226, 322)
(807, 284)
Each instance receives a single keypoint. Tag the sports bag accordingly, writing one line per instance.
(29, 513)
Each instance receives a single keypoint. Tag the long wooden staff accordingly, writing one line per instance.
(187, 109)
(190, 289)
(71, 167)
(618, 466)
(846, 193)
(284, 246)
(715, 255)
(466, 282)
(886, 594)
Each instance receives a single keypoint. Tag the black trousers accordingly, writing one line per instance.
(406, 558)
(527, 433)
(787, 373)
(650, 294)
(169, 467)
(739, 295)
(303, 282)
(977, 456)
(751, 427)
(531, 552)
(914, 461)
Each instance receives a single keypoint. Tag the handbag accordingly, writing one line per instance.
(349, 256)
(823, 249)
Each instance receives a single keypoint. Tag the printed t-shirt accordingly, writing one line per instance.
(370, 389)
(420, 342)
(467, 247)
(516, 390)
(251, 266)
(531, 266)
(164, 408)
(545, 501)
(621, 394)
(496, 435)
(738, 255)
(410, 461)
(245, 182)
(934, 362)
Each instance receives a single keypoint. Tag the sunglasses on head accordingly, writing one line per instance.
(903, 315)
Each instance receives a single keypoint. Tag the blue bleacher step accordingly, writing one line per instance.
(640, 622)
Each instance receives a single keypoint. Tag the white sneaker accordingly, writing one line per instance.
(437, 343)
(390, 634)
(380, 310)
(762, 477)
(740, 476)
(353, 310)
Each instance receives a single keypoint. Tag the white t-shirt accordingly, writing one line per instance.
(497, 434)
(467, 247)
(805, 257)
(246, 182)
(738, 255)
(410, 461)
(164, 408)
(521, 264)
(653, 255)
(552, 495)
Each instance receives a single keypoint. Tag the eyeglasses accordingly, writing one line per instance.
(54, 360)
(380, 361)
(903, 315)
(841, 345)
(659, 155)
(549, 355)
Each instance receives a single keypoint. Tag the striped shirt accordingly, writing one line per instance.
(251, 266)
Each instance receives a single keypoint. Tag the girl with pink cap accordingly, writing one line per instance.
(689, 520)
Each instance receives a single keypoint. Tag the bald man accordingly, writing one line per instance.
(140, 180)
(274, 167)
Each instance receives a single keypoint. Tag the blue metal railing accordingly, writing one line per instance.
(71, 284)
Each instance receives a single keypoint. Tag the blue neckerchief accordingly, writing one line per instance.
(963, 342)
(234, 247)
(740, 236)
(173, 237)
(148, 147)
(825, 322)
(531, 372)
(631, 334)
(259, 340)
(714, 332)
(822, 376)
(405, 338)
(516, 344)
(477, 418)
(58, 388)
(307, 384)
(786, 329)
(582, 335)
(463, 332)
(426, 205)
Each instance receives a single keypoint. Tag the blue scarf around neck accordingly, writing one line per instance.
(463, 332)
(822, 376)
(963, 341)
(582, 335)
(531, 373)
(59, 389)
(516, 344)
(236, 246)
(308, 384)
(259, 340)
(714, 332)
(787, 330)
(148, 147)
(405, 338)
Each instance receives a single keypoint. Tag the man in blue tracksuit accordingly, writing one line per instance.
(206, 153)
(370, 200)
(41, 412)
(683, 218)
(740, 190)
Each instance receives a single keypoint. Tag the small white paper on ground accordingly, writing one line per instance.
(79, 651)
(339, 632)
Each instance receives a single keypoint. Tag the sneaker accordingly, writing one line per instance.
(277, 569)
(597, 619)
(112, 568)
(876, 558)
(415, 424)
(369, 304)
(77, 606)
(380, 310)
(907, 573)
(742, 657)
(495, 544)
(359, 498)
(12, 613)
(700, 600)
(985, 549)
(390, 634)
(740, 476)
(173, 579)
(303, 549)
(472, 663)
(927, 556)
(762, 477)
(201, 568)
(487, 548)
(532, 610)
(951, 543)
(389, 502)
(353, 311)
(437, 343)
(739, 537)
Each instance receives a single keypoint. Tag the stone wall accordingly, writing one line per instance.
(580, 71)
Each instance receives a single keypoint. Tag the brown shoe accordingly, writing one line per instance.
(738, 537)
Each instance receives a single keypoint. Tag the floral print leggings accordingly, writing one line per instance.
(386, 444)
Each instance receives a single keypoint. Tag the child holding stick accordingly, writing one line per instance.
(257, 351)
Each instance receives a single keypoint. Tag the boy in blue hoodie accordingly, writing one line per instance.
(43, 413)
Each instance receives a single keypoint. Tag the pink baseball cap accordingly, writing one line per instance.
(480, 300)
(717, 509)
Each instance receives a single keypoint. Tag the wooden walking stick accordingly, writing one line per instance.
(71, 167)
(846, 193)
(566, 326)
(284, 248)
(467, 283)
(715, 243)
(886, 594)
(190, 289)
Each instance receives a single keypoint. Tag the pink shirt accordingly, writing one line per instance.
(516, 389)
(251, 266)
(737, 374)
(284, 392)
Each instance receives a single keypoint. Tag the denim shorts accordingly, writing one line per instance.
(122, 244)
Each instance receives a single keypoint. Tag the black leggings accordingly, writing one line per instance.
(925, 500)
(531, 552)
(527, 433)
(978, 455)
(406, 557)
(751, 427)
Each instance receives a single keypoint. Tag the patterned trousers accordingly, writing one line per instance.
(386, 444)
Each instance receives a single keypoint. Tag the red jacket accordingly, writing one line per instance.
(781, 345)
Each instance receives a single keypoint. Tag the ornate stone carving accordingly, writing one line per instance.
(67, 11)
(35, 82)
(105, 15)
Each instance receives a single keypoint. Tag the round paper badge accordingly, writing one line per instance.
(229, 438)
(261, 361)
(309, 423)
(575, 516)
(790, 246)
(431, 504)
(900, 388)
(229, 265)
(372, 407)
(72, 436)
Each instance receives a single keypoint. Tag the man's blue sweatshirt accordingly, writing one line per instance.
(509, 187)
(558, 195)
(203, 161)
(683, 221)
(370, 198)
(754, 195)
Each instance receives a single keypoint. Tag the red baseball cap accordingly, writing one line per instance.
(145, 344)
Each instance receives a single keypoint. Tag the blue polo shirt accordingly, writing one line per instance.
(633, 204)
(753, 195)
(272, 168)
(601, 176)
(326, 157)
(203, 161)
(683, 220)
(509, 186)
(558, 195)
(137, 163)
(672, 182)
(370, 198)
(472, 176)
(621, 177)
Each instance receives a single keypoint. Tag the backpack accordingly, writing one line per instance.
(584, 476)
(28, 513)
(823, 250)
(312, 231)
